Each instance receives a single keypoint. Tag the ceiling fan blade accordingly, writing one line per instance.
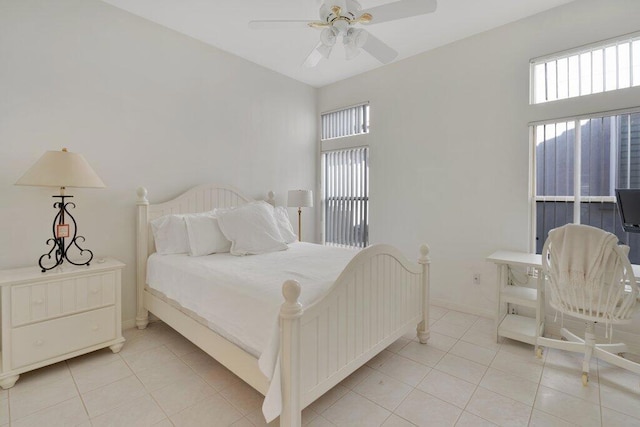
(378, 49)
(278, 25)
(400, 9)
(318, 52)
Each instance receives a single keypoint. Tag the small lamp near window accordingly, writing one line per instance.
(300, 199)
(62, 169)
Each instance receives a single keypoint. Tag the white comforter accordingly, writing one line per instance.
(240, 297)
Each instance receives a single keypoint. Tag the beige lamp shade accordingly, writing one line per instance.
(61, 169)
(300, 199)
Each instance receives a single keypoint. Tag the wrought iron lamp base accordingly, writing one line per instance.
(61, 232)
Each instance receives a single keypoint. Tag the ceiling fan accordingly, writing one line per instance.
(340, 19)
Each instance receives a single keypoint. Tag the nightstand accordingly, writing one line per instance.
(49, 317)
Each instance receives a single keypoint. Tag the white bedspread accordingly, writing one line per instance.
(240, 297)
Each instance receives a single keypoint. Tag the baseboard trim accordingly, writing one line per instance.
(128, 324)
(463, 308)
(552, 328)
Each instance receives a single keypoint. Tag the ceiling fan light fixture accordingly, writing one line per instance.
(351, 50)
(353, 41)
(328, 37)
(338, 19)
(360, 37)
(340, 26)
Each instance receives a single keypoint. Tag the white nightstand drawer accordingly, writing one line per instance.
(41, 341)
(41, 301)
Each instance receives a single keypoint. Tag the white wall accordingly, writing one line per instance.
(148, 106)
(450, 142)
(145, 106)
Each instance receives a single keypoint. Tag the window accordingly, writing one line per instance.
(345, 177)
(346, 197)
(580, 162)
(345, 122)
(601, 67)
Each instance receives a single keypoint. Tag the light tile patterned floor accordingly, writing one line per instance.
(462, 378)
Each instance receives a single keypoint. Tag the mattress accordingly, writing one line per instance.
(240, 297)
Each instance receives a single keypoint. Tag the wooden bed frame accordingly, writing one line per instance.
(378, 297)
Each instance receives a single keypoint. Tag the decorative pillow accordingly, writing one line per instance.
(251, 228)
(205, 236)
(170, 234)
(284, 225)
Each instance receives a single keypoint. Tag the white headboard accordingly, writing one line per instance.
(202, 198)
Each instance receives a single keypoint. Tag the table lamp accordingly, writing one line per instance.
(62, 169)
(300, 199)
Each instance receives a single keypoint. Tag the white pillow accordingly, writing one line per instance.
(284, 225)
(170, 234)
(251, 228)
(205, 236)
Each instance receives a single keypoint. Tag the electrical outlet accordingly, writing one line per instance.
(476, 278)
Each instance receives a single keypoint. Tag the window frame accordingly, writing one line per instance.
(577, 198)
(364, 126)
(367, 196)
(603, 45)
(348, 142)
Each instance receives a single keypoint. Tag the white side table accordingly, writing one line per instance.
(49, 317)
(520, 328)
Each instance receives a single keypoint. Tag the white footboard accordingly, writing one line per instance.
(379, 297)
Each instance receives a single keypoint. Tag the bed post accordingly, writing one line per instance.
(423, 326)
(290, 313)
(142, 252)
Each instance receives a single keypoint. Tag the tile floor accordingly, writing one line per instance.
(462, 378)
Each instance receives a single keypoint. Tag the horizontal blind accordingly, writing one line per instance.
(346, 122)
(346, 192)
(609, 65)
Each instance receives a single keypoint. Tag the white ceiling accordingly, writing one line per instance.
(223, 24)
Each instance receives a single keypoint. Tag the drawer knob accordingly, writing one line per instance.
(94, 291)
(38, 342)
(39, 301)
(95, 328)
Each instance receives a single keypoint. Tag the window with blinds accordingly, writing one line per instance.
(609, 65)
(578, 165)
(345, 122)
(346, 197)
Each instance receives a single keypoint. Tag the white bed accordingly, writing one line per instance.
(354, 304)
